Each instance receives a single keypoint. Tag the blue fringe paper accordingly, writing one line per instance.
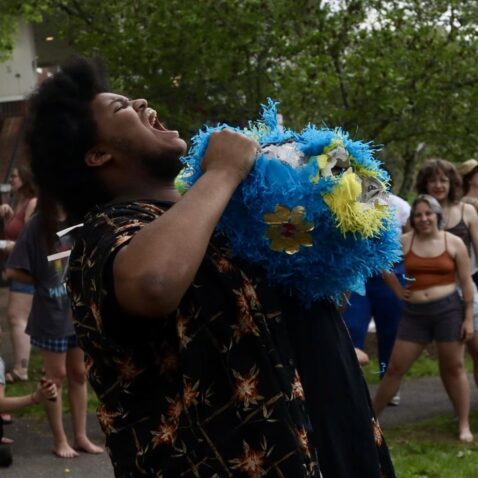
(336, 263)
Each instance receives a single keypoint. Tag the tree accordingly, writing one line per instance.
(400, 73)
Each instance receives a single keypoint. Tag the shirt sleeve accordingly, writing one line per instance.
(101, 238)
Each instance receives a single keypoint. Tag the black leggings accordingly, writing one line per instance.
(5, 451)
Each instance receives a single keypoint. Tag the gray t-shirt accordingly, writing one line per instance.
(50, 317)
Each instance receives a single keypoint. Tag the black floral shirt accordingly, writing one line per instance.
(209, 391)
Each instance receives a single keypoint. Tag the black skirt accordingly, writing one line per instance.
(345, 431)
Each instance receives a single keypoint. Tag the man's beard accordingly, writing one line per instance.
(162, 166)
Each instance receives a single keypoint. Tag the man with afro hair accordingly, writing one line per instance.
(202, 368)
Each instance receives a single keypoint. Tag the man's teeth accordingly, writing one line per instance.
(152, 116)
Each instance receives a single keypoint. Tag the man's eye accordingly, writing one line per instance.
(121, 105)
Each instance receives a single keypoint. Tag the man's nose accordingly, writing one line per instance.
(139, 104)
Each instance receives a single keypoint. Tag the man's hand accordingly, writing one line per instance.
(232, 152)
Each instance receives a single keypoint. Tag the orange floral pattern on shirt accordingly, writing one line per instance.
(193, 393)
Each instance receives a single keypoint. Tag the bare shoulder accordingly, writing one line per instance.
(455, 243)
(469, 213)
(472, 201)
(406, 240)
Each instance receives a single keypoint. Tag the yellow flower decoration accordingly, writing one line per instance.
(354, 216)
(288, 230)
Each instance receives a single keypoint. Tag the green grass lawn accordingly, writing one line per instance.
(425, 366)
(35, 374)
(429, 449)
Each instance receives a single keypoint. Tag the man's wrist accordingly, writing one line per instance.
(225, 175)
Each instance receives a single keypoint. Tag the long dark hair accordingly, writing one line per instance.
(48, 211)
(28, 189)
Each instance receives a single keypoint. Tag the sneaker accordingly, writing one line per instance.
(395, 401)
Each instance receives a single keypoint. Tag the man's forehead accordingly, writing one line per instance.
(104, 103)
(110, 97)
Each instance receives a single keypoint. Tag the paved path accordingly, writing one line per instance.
(32, 457)
(420, 399)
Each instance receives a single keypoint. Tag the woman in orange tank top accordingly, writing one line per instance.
(441, 179)
(433, 309)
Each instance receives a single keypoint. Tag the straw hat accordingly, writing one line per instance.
(467, 167)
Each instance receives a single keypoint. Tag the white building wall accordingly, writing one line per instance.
(18, 76)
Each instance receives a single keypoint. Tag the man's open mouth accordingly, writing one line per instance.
(153, 121)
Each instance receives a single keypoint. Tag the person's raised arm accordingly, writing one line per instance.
(152, 273)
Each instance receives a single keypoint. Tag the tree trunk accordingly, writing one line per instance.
(410, 159)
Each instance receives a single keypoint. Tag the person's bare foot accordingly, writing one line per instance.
(7, 441)
(466, 436)
(6, 418)
(64, 450)
(84, 444)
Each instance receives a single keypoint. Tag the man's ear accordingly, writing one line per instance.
(95, 158)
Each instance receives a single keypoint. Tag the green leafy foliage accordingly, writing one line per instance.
(400, 73)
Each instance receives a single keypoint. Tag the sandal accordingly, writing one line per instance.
(14, 376)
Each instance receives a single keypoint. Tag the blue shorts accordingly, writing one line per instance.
(56, 345)
(22, 287)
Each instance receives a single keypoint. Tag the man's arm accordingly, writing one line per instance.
(152, 273)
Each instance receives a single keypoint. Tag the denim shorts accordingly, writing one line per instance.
(56, 345)
(438, 320)
(23, 287)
